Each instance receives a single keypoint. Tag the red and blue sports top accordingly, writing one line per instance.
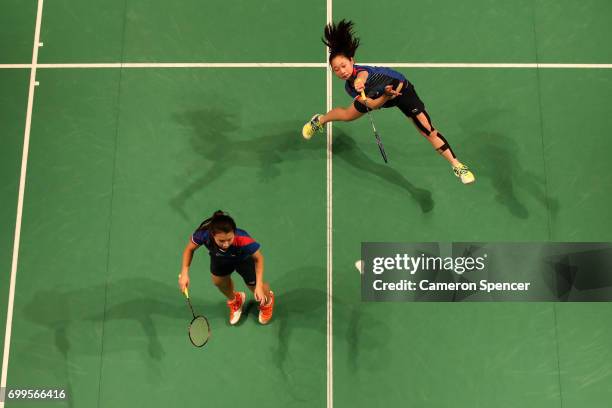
(242, 247)
(378, 79)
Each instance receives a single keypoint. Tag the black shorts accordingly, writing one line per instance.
(221, 266)
(408, 102)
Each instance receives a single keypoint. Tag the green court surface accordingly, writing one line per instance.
(546, 31)
(125, 163)
(106, 31)
(17, 21)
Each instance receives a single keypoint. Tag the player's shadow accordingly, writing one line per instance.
(300, 324)
(345, 147)
(364, 332)
(221, 142)
(301, 320)
(299, 305)
(58, 310)
(68, 320)
(71, 319)
(497, 159)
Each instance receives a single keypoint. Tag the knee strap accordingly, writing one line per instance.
(430, 132)
(444, 146)
(422, 128)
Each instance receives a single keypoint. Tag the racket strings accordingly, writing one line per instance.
(199, 331)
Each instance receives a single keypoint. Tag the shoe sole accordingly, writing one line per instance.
(237, 319)
(238, 314)
(259, 317)
(304, 135)
(468, 182)
(264, 323)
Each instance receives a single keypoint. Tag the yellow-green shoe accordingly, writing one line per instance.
(463, 172)
(312, 126)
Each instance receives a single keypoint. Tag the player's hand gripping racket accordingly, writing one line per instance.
(199, 329)
(378, 141)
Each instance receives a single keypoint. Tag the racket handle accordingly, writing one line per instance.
(186, 291)
(363, 95)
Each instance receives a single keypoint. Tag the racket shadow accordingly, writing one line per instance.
(347, 150)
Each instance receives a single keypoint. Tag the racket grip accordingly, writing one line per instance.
(363, 95)
(186, 292)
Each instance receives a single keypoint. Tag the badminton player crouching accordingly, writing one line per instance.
(230, 249)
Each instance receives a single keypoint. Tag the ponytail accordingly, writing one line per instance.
(219, 222)
(340, 39)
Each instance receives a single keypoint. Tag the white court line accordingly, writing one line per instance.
(486, 65)
(302, 65)
(174, 65)
(330, 304)
(22, 180)
(15, 66)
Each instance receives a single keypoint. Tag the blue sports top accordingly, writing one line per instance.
(378, 79)
(242, 247)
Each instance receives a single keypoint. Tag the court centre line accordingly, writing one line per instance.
(330, 305)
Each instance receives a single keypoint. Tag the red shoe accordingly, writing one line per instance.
(235, 307)
(265, 312)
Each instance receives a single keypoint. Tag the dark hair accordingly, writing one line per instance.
(340, 39)
(219, 222)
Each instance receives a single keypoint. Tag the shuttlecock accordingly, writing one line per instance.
(359, 266)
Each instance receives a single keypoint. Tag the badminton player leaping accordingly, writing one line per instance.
(231, 249)
(384, 88)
